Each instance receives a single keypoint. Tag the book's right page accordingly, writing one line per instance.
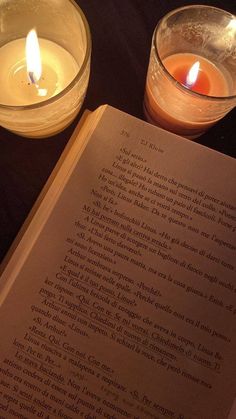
(126, 304)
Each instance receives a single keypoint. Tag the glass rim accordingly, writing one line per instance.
(168, 74)
(73, 81)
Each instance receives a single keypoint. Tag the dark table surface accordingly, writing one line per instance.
(121, 36)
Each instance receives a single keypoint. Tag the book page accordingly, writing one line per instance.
(46, 201)
(125, 306)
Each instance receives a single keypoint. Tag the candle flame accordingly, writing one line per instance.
(33, 59)
(193, 74)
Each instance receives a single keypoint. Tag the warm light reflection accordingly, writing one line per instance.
(33, 59)
(192, 74)
(232, 26)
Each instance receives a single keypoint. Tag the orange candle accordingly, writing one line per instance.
(172, 102)
(191, 78)
(207, 80)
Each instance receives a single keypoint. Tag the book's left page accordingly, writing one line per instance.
(30, 231)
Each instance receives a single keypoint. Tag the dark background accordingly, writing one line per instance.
(121, 35)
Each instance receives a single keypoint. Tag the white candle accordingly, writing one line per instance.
(41, 97)
(31, 74)
(58, 69)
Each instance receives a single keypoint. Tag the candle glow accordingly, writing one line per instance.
(33, 59)
(34, 62)
(192, 74)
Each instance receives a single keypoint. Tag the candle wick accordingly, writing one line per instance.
(41, 92)
(189, 85)
(192, 75)
(32, 77)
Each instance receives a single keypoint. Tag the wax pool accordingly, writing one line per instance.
(210, 80)
(177, 108)
(58, 69)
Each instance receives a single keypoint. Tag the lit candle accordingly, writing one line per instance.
(191, 79)
(197, 73)
(43, 80)
(194, 73)
(33, 71)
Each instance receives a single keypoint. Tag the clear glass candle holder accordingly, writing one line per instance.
(201, 36)
(42, 106)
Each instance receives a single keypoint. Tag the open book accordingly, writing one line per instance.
(118, 299)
